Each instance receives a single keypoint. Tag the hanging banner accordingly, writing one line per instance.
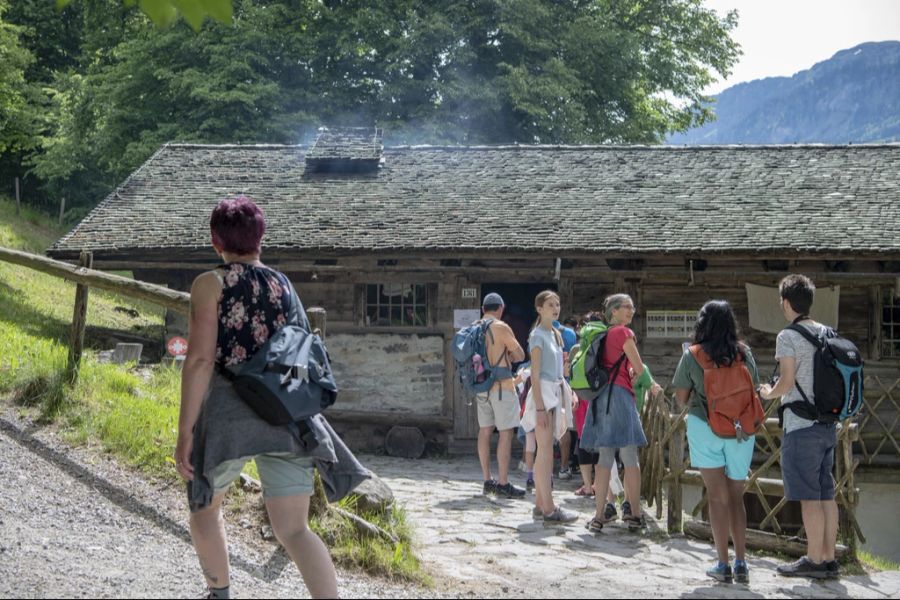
(764, 304)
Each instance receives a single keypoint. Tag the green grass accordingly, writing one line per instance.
(373, 555)
(877, 562)
(129, 411)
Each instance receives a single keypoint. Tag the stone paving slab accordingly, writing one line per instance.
(496, 547)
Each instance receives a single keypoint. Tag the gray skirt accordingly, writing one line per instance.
(617, 428)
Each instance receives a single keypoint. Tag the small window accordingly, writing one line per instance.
(671, 324)
(396, 305)
(890, 324)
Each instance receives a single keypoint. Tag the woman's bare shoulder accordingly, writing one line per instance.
(207, 284)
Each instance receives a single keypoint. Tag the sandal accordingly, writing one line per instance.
(635, 523)
(583, 491)
(595, 525)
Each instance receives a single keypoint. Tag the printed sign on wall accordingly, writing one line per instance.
(463, 317)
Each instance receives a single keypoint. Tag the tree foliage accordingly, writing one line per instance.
(164, 12)
(458, 71)
(18, 96)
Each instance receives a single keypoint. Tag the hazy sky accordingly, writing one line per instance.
(782, 37)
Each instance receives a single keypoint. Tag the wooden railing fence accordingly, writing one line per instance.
(666, 470)
(87, 278)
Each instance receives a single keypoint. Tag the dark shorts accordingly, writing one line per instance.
(586, 457)
(807, 459)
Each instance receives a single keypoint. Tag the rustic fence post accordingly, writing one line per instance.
(62, 209)
(18, 200)
(676, 466)
(317, 320)
(79, 322)
(848, 515)
(319, 502)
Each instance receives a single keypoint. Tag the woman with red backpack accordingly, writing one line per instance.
(717, 375)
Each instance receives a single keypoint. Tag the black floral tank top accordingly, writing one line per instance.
(254, 304)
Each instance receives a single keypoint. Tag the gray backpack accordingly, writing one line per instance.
(289, 379)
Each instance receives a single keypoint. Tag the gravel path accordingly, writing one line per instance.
(74, 523)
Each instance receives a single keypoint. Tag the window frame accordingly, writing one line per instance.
(888, 331)
(426, 304)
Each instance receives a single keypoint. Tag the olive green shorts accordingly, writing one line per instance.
(281, 474)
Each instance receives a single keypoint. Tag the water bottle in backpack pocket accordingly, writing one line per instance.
(476, 374)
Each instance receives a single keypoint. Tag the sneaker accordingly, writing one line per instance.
(741, 572)
(490, 487)
(834, 569)
(721, 572)
(610, 513)
(529, 484)
(560, 515)
(509, 491)
(565, 474)
(626, 509)
(804, 568)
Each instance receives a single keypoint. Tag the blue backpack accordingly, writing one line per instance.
(837, 378)
(476, 374)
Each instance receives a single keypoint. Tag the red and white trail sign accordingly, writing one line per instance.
(177, 346)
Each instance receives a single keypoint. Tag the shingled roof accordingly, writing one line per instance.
(614, 200)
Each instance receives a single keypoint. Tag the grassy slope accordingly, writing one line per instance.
(131, 412)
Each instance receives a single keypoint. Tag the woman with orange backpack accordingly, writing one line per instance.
(717, 375)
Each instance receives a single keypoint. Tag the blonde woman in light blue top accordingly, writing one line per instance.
(545, 345)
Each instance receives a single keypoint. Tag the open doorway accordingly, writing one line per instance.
(519, 313)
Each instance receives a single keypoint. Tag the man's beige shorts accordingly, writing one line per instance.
(496, 410)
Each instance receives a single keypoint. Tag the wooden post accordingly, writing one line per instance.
(18, 200)
(676, 466)
(319, 502)
(846, 517)
(317, 320)
(62, 209)
(79, 322)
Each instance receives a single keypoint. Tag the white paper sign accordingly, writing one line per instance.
(463, 317)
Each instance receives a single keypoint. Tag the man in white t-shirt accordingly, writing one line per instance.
(807, 448)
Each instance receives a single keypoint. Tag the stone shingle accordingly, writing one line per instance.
(612, 199)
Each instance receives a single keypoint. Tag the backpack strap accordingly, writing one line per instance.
(615, 372)
(706, 363)
(487, 359)
(804, 408)
(612, 377)
(702, 357)
(810, 337)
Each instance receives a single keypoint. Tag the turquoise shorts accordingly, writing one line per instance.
(709, 451)
(280, 474)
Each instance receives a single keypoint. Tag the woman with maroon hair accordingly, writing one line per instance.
(235, 308)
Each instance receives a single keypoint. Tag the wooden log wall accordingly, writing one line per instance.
(656, 283)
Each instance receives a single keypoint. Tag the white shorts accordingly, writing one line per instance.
(500, 410)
